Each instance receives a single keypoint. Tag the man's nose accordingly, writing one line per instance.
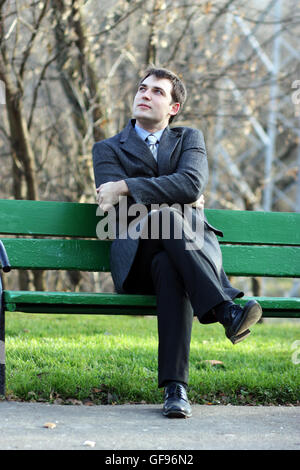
(147, 94)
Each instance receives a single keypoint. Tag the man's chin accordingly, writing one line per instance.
(143, 115)
(147, 122)
(144, 120)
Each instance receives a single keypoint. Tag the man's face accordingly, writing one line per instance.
(153, 104)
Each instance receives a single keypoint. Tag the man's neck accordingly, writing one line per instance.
(150, 127)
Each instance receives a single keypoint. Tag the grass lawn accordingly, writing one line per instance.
(113, 359)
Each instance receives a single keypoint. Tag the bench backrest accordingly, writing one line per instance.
(62, 235)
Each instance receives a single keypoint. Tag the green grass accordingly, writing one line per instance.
(113, 359)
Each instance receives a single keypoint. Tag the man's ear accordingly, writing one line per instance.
(174, 109)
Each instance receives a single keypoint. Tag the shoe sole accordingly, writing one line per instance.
(177, 414)
(238, 338)
(253, 313)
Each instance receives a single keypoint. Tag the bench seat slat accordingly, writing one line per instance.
(84, 303)
(84, 298)
(111, 303)
(93, 255)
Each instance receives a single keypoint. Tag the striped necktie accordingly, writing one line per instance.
(151, 142)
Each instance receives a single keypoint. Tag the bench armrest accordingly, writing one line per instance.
(4, 261)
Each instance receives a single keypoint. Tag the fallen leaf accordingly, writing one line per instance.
(58, 401)
(49, 425)
(73, 401)
(214, 362)
(89, 443)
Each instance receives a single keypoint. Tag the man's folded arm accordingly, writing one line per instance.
(184, 186)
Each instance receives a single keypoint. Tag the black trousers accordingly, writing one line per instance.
(186, 283)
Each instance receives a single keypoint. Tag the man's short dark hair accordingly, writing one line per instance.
(178, 92)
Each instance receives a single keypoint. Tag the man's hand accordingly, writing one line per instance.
(199, 204)
(108, 193)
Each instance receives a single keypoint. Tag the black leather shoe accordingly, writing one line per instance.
(237, 320)
(176, 402)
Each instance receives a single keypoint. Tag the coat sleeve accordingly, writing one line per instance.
(183, 186)
(106, 165)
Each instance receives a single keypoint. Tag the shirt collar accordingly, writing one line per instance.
(144, 134)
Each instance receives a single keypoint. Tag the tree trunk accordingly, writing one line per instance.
(24, 168)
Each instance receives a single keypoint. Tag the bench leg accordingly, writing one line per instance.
(2, 342)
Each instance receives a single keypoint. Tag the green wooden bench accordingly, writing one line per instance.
(62, 236)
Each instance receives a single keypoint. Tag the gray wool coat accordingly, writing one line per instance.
(179, 176)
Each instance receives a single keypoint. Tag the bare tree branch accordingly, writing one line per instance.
(30, 44)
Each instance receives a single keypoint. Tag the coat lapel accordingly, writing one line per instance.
(167, 145)
(133, 144)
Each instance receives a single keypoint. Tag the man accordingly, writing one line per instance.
(170, 168)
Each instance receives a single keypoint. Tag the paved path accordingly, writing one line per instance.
(137, 427)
